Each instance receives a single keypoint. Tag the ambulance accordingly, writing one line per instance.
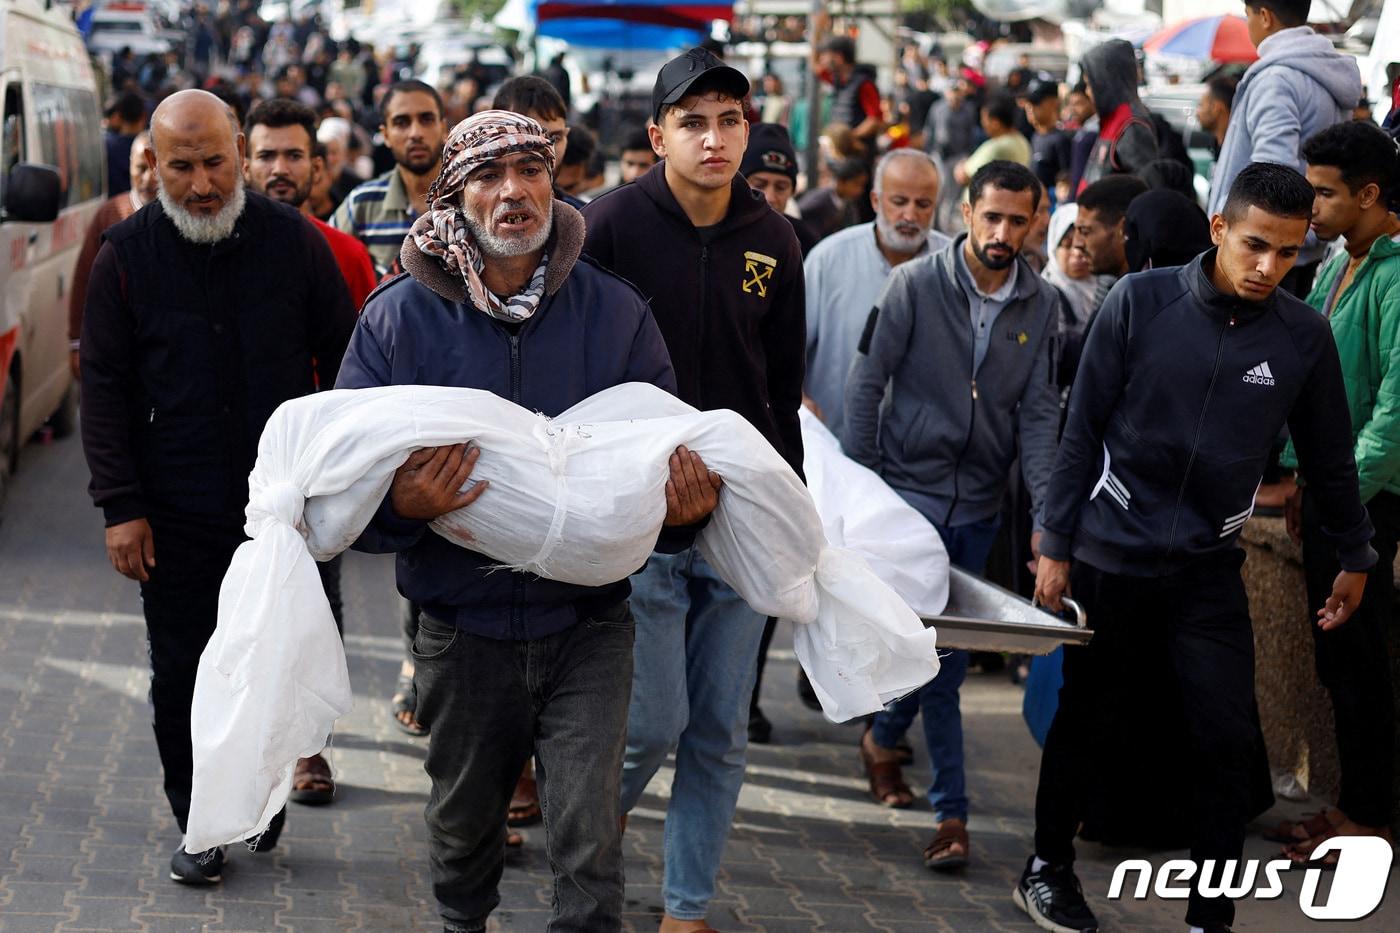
(52, 176)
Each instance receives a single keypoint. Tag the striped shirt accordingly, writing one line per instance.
(379, 215)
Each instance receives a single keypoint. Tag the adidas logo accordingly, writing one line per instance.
(1260, 375)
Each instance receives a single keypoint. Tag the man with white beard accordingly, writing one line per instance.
(205, 311)
(847, 271)
(498, 296)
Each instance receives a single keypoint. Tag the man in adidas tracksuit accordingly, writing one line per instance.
(1187, 376)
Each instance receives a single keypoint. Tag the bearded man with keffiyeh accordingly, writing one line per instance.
(498, 296)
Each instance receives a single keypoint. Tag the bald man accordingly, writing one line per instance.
(205, 311)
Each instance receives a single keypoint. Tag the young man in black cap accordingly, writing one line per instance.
(770, 167)
(1050, 145)
(723, 274)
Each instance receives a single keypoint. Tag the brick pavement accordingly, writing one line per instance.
(87, 836)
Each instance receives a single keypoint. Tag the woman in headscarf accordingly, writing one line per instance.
(1068, 269)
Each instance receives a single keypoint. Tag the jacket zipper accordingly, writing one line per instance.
(1196, 438)
(967, 442)
(971, 420)
(515, 368)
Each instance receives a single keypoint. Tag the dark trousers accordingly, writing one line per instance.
(769, 627)
(181, 605)
(1353, 663)
(490, 705)
(1198, 618)
(330, 582)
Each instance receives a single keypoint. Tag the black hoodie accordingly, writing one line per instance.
(1127, 136)
(730, 302)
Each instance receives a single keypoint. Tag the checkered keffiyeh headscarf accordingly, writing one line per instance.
(476, 140)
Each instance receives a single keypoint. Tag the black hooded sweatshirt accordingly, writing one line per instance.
(729, 298)
(1127, 136)
(1180, 394)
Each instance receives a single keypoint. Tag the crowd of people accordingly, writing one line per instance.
(1007, 301)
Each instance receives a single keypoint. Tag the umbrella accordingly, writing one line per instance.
(1223, 39)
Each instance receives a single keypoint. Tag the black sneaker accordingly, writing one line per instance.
(204, 868)
(268, 840)
(760, 729)
(1053, 898)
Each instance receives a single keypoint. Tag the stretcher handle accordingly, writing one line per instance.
(1081, 618)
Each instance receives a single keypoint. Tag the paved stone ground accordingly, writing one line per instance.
(85, 835)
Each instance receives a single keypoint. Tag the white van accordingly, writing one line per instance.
(52, 180)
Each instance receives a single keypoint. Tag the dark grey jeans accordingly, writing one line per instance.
(490, 705)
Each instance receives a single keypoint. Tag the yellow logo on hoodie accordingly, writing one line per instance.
(758, 269)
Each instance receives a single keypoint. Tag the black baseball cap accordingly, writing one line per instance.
(677, 77)
(1040, 87)
(770, 150)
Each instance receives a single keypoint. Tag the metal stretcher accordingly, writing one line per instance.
(981, 616)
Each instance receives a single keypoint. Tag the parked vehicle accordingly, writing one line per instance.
(52, 181)
(127, 25)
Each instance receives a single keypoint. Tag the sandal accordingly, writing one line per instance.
(950, 847)
(312, 782)
(1300, 853)
(514, 840)
(525, 802)
(886, 780)
(1290, 832)
(404, 707)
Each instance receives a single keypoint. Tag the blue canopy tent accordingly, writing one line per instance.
(627, 24)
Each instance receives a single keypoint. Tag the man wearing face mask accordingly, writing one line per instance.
(118, 208)
(498, 297)
(953, 372)
(206, 310)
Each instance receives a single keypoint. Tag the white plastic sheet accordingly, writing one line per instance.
(860, 513)
(577, 498)
(863, 516)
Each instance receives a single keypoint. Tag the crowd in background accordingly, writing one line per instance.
(907, 174)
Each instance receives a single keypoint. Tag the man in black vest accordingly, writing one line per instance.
(857, 99)
(205, 311)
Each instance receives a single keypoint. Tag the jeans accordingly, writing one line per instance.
(181, 605)
(968, 547)
(491, 704)
(1353, 663)
(697, 648)
(1198, 616)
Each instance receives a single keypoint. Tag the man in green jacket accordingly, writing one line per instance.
(1355, 171)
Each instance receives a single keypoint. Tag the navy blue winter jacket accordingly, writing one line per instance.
(1180, 393)
(592, 331)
